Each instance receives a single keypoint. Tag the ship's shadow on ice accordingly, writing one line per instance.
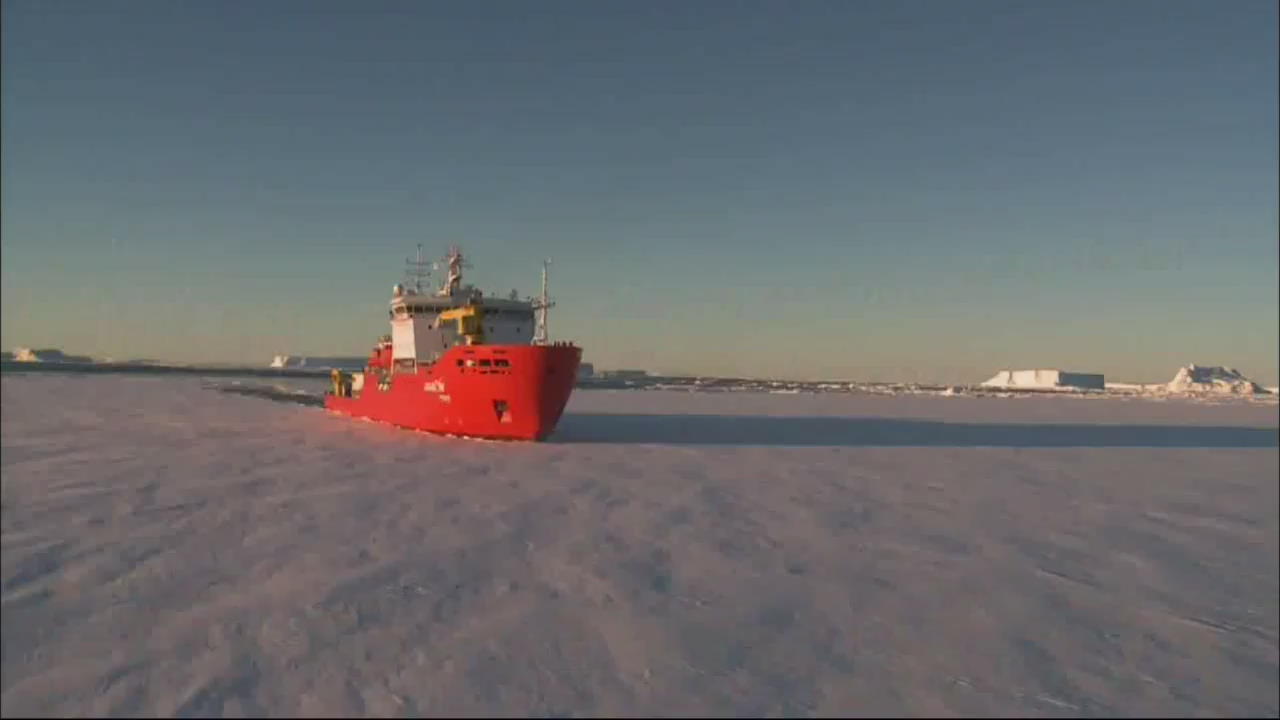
(886, 432)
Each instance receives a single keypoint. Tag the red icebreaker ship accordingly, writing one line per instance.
(460, 363)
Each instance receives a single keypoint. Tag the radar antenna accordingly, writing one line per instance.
(455, 264)
(417, 271)
(542, 304)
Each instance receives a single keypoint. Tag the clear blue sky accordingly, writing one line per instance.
(868, 190)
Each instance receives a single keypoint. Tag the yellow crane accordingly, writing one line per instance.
(470, 323)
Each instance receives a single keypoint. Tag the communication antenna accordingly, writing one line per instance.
(417, 271)
(542, 304)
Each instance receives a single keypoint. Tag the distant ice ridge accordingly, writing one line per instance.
(318, 363)
(774, 387)
(23, 354)
(1068, 386)
(1213, 379)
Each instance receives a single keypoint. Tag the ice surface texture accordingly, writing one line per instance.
(170, 549)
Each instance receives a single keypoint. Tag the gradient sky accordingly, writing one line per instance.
(866, 190)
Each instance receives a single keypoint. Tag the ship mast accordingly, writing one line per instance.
(417, 271)
(542, 304)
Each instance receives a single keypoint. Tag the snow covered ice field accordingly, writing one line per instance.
(175, 550)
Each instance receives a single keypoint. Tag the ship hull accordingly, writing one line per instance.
(507, 392)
